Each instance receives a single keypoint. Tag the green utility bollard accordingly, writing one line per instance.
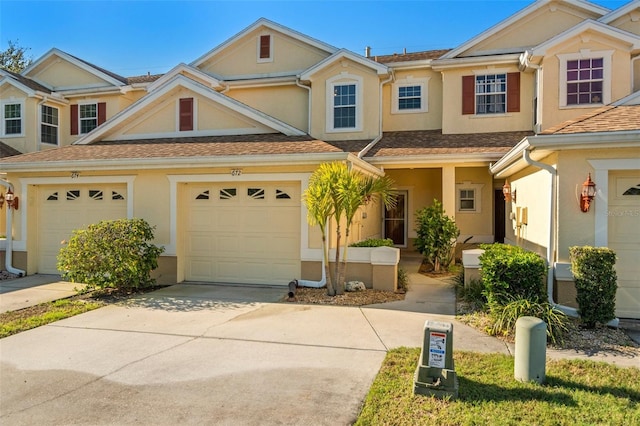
(435, 374)
(531, 350)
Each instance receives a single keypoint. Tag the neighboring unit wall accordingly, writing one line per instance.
(287, 103)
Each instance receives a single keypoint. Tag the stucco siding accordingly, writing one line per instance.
(60, 74)
(287, 103)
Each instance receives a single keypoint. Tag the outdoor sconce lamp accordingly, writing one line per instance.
(508, 194)
(12, 200)
(588, 193)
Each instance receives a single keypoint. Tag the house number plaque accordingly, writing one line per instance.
(236, 172)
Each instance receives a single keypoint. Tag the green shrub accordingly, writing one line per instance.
(374, 242)
(437, 234)
(473, 293)
(510, 272)
(111, 253)
(504, 317)
(596, 283)
(403, 280)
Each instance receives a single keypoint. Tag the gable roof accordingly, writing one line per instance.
(536, 5)
(611, 118)
(183, 69)
(632, 39)
(622, 10)
(262, 22)
(24, 81)
(99, 72)
(180, 80)
(344, 54)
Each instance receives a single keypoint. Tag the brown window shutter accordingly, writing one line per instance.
(186, 114)
(265, 47)
(102, 112)
(74, 119)
(513, 92)
(468, 94)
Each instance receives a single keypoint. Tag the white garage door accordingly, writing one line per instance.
(242, 232)
(624, 239)
(62, 209)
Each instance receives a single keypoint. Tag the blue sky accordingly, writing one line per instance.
(138, 36)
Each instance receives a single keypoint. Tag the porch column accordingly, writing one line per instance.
(449, 190)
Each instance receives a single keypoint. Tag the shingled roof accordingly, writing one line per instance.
(606, 119)
(433, 142)
(7, 151)
(271, 144)
(407, 57)
(28, 82)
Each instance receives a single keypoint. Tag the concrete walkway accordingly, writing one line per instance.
(213, 354)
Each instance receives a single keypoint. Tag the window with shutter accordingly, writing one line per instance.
(186, 114)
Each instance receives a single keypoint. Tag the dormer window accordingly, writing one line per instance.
(585, 78)
(344, 103)
(265, 48)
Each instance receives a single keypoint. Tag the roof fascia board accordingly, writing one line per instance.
(74, 61)
(184, 68)
(380, 69)
(536, 5)
(421, 64)
(617, 13)
(178, 162)
(480, 158)
(271, 25)
(630, 38)
(443, 64)
(180, 80)
(550, 143)
(632, 99)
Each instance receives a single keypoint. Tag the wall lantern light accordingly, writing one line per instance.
(12, 200)
(508, 194)
(588, 193)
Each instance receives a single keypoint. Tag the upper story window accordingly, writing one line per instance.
(344, 103)
(585, 78)
(491, 94)
(12, 116)
(584, 81)
(497, 93)
(87, 116)
(344, 106)
(49, 125)
(409, 96)
(265, 48)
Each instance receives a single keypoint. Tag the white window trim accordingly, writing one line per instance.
(341, 80)
(270, 58)
(20, 102)
(477, 188)
(606, 56)
(57, 126)
(80, 117)
(406, 82)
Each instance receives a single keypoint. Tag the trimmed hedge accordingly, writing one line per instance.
(511, 272)
(596, 283)
(374, 242)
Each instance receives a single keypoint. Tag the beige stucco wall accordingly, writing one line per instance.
(628, 22)
(428, 120)
(534, 29)
(241, 58)
(453, 121)
(60, 74)
(478, 224)
(25, 142)
(288, 103)
(370, 114)
(552, 111)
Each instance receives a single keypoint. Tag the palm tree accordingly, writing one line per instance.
(335, 192)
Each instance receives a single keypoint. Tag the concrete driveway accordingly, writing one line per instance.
(202, 354)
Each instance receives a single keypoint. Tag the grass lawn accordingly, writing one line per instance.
(45, 313)
(575, 393)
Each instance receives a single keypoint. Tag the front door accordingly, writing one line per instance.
(395, 221)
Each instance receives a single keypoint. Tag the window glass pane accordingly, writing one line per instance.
(589, 75)
(491, 94)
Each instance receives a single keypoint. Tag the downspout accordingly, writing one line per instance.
(373, 143)
(551, 244)
(309, 105)
(8, 254)
(39, 131)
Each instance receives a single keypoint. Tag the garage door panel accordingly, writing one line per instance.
(255, 234)
(624, 239)
(63, 209)
(200, 219)
(200, 244)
